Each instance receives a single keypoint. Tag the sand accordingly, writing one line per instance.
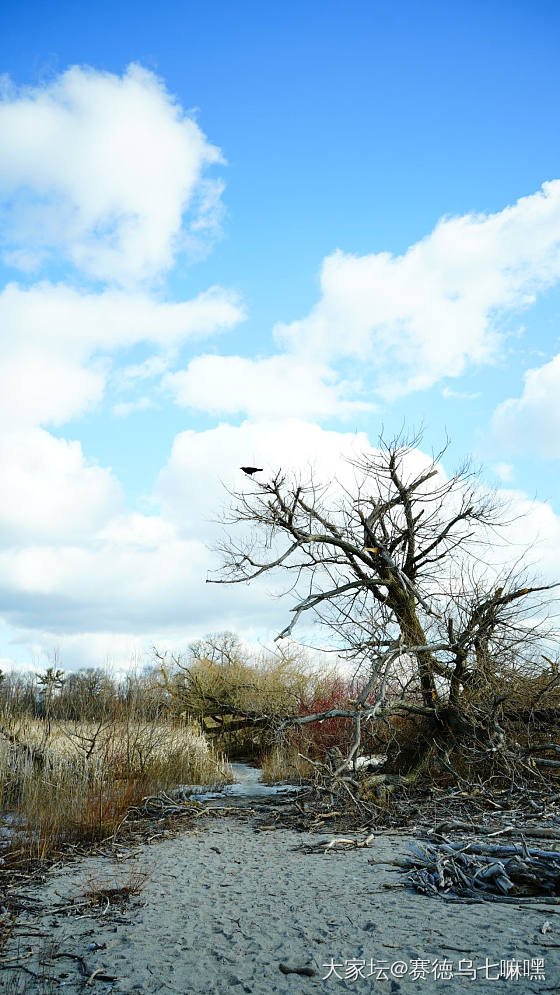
(226, 905)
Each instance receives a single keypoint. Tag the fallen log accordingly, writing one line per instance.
(525, 830)
(482, 871)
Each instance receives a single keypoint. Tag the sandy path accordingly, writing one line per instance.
(225, 906)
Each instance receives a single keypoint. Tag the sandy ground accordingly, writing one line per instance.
(225, 905)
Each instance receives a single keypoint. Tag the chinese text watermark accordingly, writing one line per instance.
(420, 969)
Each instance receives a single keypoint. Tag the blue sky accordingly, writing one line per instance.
(380, 246)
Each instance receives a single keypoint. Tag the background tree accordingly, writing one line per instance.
(237, 695)
(49, 683)
(88, 693)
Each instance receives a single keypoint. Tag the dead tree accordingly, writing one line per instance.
(398, 565)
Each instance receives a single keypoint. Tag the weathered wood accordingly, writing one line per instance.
(481, 870)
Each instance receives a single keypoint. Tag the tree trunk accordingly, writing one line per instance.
(413, 635)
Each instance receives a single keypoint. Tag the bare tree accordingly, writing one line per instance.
(402, 564)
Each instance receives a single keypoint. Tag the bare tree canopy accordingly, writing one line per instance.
(406, 568)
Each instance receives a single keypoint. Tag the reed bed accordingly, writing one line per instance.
(76, 781)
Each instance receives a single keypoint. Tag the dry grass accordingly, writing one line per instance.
(284, 763)
(76, 781)
(114, 887)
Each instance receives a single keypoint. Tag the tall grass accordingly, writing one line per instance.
(65, 781)
(285, 763)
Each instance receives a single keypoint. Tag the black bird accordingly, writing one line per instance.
(250, 470)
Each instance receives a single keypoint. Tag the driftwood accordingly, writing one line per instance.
(482, 871)
(160, 806)
(99, 973)
(338, 843)
(307, 972)
(524, 830)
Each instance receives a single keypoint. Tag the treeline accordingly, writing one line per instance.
(78, 751)
(237, 696)
(88, 694)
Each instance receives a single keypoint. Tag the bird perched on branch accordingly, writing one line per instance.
(250, 470)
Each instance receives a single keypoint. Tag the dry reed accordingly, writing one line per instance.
(76, 781)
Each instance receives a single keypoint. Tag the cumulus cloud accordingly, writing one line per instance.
(133, 581)
(104, 169)
(50, 492)
(55, 342)
(203, 466)
(459, 395)
(137, 576)
(403, 322)
(117, 651)
(427, 314)
(533, 526)
(505, 471)
(532, 421)
(153, 366)
(277, 387)
(108, 175)
(142, 577)
(72, 562)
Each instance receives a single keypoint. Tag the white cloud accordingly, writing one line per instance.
(125, 408)
(279, 387)
(429, 313)
(103, 168)
(136, 578)
(459, 395)
(26, 260)
(49, 492)
(112, 319)
(532, 422)
(505, 471)
(34, 649)
(107, 173)
(127, 580)
(73, 564)
(193, 486)
(533, 526)
(81, 569)
(55, 341)
(153, 366)
(94, 571)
